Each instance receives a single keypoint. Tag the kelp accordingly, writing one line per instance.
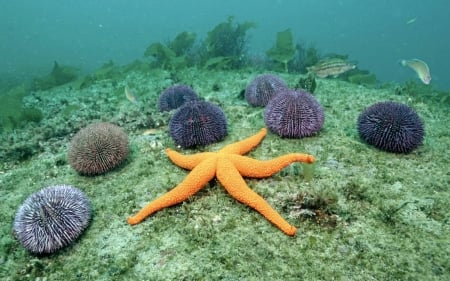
(172, 55)
(227, 41)
(283, 51)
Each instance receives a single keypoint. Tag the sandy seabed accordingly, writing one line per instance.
(365, 215)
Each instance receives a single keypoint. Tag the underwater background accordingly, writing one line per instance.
(376, 33)
(362, 213)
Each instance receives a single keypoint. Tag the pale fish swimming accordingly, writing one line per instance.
(331, 67)
(130, 96)
(420, 67)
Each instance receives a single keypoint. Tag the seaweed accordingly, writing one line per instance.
(12, 112)
(307, 83)
(304, 58)
(226, 43)
(283, 51)
(174, 54)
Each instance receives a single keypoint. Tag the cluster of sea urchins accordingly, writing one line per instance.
(197, 123)
(51, 219)
(391, 126)
(294, 114)
(263, 88)
(98, 148)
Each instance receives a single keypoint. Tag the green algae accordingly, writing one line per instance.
(390, 211)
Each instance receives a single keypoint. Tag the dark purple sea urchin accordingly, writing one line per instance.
(391, 126)
(263, 88)
(51, 219)
(98, 148)
(197, 123)
(175, 96)
(294, 114)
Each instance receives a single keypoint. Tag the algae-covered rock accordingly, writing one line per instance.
(283, 51)
(60, 74)
(363, 79)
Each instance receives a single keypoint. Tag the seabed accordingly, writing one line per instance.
(364, 215)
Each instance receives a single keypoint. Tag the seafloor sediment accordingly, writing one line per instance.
(365, 215)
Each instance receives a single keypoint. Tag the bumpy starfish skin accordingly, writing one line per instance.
(228, 166)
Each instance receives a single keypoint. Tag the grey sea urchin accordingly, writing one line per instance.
(52, 218)
(197, 123)
(391, 126)
(294, 114)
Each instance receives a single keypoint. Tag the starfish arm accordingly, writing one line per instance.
(245, 145)
(194, 181)
(187, 162)
(253, 168)
(230, 178)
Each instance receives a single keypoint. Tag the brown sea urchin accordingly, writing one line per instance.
(51, 219)
(98, 148)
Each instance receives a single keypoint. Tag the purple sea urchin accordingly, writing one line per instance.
(175, 96)
(294, 114)
(263, 88)
(98, 148)
(197, 123)
(51, 219)
(391, 126)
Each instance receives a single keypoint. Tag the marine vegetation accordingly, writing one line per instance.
(228, 166)
(225, 46)
(13, 113)
(60, 74)
(307, 83)
(304, 57)
(283, 51)
(174, 54)
(360, 77)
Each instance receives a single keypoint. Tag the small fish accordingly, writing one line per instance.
(330, 67)
(130, 96)
(411, 21)
(420, 67)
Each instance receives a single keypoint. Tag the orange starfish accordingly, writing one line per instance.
(228, 166)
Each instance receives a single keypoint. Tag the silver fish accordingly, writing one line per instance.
(331, 67)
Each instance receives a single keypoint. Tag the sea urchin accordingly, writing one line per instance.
(52, 218)
(197, 123)
(391, 126)
(98, 148)
(175, 96)
(263, 88)
(294, 114)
